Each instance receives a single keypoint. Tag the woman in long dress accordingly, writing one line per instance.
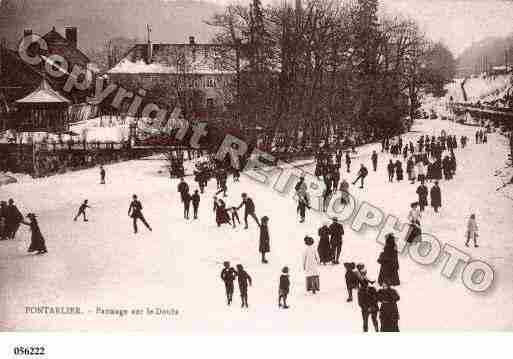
(37, 241)
(310, 266)
(389, 271)
(264, 242)
(221, 212)
(388, 312)
(324, 247)
(414, 217)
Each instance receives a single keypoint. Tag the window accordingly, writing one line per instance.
(210, 103)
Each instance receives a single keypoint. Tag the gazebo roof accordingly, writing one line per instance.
(44, 94)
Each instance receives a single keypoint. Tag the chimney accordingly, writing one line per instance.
(27, 32)
(71, 36)
(149, 46)
(191, 40)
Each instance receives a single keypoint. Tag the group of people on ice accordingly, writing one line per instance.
(10, 221)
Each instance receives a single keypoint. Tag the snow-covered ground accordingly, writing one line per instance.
(480, 88)
(103, 264)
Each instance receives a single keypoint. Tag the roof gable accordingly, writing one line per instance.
(44, 94)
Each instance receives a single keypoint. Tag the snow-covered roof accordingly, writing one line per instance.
(200, 59)
(43, 94)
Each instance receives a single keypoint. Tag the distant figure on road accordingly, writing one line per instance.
(472, 230)
(374, 159)
(102, 175)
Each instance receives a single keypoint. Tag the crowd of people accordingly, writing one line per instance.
(425, 163)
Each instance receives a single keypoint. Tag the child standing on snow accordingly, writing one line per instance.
(472, 230)
(284, 288)
(244, 279)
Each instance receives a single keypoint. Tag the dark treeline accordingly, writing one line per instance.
(327, 70)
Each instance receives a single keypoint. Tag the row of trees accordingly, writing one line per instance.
(327, 69)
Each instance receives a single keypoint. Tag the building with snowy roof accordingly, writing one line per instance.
(200, 76)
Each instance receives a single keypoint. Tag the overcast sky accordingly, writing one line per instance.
(458, 23)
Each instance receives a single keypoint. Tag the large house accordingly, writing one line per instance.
(18, 78)
(197, 77)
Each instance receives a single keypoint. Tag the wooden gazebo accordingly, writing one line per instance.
(44, 110)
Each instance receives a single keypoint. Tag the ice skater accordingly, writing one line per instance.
(362, 173)
(249, 210)
(244, 279)
(135, 212)
(284, 287)
(228, 276)
(82, 211)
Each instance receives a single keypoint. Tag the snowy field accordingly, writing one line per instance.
(480, 88)
(101, 263)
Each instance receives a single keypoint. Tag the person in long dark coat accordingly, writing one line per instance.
(222, 216)
(388, 312)
(399, 170)
(183, 188)
(374, 158)
(13, 219)
(436, 197)
(410, 169)
(186, 198)
(336, 232)
(102, 175)
(389, 270)
(37, 241)
(324, 247)
(264, 243)
(390, 170)
(422, 192)
(368, 302)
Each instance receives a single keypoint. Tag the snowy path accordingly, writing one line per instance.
(102, 263)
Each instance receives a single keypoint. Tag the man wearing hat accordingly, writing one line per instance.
(336, 233)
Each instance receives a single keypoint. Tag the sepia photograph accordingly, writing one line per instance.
(255, 166)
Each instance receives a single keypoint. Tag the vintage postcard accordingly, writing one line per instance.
(256, 166)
